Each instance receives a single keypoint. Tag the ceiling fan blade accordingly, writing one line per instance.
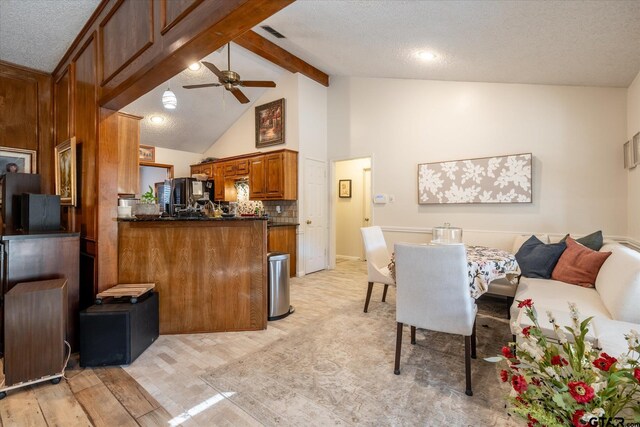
(202, 85)
(256, 83)
(214, 69)
(239, 95)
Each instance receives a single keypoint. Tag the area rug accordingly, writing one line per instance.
(339, 371)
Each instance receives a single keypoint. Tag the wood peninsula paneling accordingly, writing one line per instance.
(172, 11)
(120, 41)
(211, 275)
(25, 115)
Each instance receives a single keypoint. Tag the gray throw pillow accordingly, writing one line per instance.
(537, 259)
(593, 241)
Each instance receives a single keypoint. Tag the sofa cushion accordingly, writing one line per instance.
(618, 283)
(611, 335)
(518, 241)
(579, 265)
(555, 296)
(593, 241)
(537, 259)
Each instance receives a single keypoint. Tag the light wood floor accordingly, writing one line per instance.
(163, 386)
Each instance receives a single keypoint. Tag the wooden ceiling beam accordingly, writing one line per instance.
(272, 52)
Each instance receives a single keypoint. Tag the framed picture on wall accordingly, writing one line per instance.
(65, 172)
(147, 153)
(17, 160)
(628, 155)
(270, 124)
(635, 149)
(344, 188)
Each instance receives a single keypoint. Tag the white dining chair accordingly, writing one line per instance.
(433, 293)
(378, 259)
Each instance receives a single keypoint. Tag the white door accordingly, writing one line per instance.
(366, 200)
(315, 222)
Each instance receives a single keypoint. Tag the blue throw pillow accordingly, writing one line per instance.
(537, 259)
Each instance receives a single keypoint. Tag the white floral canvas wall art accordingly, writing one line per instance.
(502, 179)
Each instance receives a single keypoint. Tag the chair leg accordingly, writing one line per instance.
(366, 301)
(413, 335)
(384, 293)
(473, 341)
(396, 368)
(467, 364)
(509, 304)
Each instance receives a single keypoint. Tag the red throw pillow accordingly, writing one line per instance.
(579, 265)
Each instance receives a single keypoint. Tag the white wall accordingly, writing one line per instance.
(350, 211)
(305, 132)
(181, 160)
(633, 127)
(574, 133)
(240, 137)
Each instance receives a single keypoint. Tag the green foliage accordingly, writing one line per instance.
(148, 197)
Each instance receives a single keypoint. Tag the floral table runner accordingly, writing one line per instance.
(488, 264)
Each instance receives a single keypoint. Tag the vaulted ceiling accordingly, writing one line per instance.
(594, 43)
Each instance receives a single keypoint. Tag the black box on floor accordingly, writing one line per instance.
(117, 333)
(40, 212)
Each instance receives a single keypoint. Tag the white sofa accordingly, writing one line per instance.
(614, 302)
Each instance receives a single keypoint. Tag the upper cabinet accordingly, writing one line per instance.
(272, 175)
(128, 152)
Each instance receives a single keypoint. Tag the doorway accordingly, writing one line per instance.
(315, 228)
(352, 209)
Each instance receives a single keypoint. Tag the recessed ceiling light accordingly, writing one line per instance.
(156, 119)
(426, 55)
(195, 66)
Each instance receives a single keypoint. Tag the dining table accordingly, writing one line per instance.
(488, 264)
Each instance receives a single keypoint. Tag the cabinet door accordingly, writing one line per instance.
(218, 179)
(128, 143)
(283, 239)
(195, 169)
(274, 176)
(257, 189)
(242, 167)
(229, 169)
(207, 169)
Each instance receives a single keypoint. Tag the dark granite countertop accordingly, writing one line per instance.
(283, 224)
(204, 218)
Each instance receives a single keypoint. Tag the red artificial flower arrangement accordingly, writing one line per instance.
(563, 383)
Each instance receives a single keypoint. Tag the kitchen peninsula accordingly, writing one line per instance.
(210, 273)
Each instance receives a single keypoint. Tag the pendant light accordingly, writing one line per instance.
(169, 99)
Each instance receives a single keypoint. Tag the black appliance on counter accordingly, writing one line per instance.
(186, 191)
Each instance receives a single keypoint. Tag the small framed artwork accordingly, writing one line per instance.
(270, 124)
(147, 153)
(17, 160)
(635, 149)
(628, 155)
(65, 171)
(344, 188)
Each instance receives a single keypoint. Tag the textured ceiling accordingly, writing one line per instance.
(37, 33)
(591, 43)
(203, 115)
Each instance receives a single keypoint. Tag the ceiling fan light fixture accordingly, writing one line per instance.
(169, 100)
(426, 55)
(195, 66)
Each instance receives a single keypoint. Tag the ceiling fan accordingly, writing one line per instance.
(231, 80)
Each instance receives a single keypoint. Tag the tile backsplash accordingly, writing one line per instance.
(288, 210)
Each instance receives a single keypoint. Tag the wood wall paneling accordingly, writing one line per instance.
(125, 33)
(107, 177)
(172, 11)
(62, 106)
(128, 154)
(19, 111)
(26, 114)
(86, 133)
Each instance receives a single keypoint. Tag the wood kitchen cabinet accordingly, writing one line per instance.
(275, 176)
(282, 238)
(272, 175)
(128, 146)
